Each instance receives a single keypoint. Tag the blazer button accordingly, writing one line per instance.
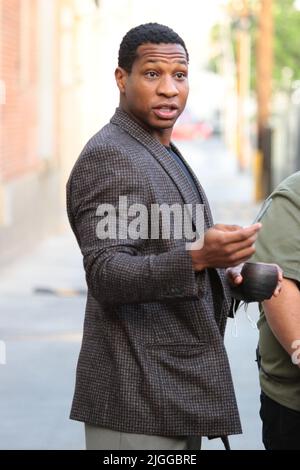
(175, 290)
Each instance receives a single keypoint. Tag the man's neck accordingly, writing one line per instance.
(162, 135)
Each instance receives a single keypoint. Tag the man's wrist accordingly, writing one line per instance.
(197, 264)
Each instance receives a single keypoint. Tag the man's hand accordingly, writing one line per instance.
(235, 278)
(224, 246)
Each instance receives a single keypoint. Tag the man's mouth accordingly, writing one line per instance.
(166, 111)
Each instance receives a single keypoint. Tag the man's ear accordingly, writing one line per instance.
(121, 78)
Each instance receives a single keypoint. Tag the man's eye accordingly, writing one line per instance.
(180, 75)
(151, 74)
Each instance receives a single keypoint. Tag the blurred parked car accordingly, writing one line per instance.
(188, 127)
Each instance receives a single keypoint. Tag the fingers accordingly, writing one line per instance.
(280, 273)
(278, 288)
(236, 235)
(238, 246)
(280, 280)
(237, 253)
(234, 272)
(277, 291)
(234, 275)
(242, 233)
(241, 256)
(236, 280)
(227, 228)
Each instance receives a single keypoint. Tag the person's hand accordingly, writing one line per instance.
(280, 279)
(235, 278)
(224, 246)
(234, 275)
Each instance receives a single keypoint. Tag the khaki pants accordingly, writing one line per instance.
(98, 438)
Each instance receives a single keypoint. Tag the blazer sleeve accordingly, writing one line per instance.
(117, 270)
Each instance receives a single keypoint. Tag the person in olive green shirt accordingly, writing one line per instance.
(279, 323)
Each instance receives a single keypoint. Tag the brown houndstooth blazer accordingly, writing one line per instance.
(152, 359)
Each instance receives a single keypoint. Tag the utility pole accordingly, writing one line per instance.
(240, 14)
(264, 67)
(243, 85)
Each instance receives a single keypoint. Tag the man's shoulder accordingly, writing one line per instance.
(110, 136)
(279, 239)
(110, 148)
(291, 186)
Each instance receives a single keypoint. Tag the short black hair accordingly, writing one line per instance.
(152, 33)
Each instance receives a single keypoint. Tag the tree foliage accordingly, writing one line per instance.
(286, 43)
(286, 39)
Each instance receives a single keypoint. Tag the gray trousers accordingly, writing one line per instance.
(98, 438)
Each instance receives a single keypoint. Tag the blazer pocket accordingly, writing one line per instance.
(178, 350)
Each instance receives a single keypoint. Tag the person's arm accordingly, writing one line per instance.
(283, 315)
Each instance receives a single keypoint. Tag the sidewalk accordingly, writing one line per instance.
(42, 335)
(42, 305)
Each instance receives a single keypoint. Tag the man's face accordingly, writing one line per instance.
(155, 91)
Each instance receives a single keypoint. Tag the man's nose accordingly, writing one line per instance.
(167, 87)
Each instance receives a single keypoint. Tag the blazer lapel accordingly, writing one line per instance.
(204, 200)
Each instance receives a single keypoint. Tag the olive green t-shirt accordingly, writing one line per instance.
(279, 242)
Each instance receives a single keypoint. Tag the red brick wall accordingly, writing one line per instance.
(18, 117)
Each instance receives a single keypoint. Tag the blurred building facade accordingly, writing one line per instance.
(29, 164)
(48, 81)
(285, 134)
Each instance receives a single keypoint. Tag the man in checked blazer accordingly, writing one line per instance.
(152, 371)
